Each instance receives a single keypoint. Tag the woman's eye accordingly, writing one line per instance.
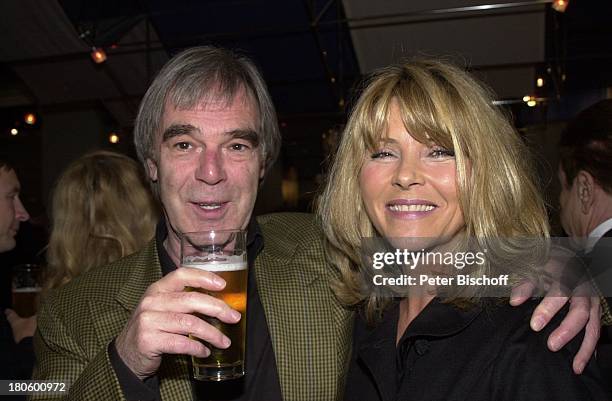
(381, 154)
(442, 152)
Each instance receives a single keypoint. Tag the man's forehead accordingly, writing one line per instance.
(8, 180)
(212, 100)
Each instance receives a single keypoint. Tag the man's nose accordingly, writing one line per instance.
(211, 169)
(21, 214)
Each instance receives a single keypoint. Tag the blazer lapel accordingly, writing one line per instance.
(174, 383)
(309, 336)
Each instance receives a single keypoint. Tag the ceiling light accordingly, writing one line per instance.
(113, 138)
(540, 82)
(560, 5)
(98, 55)
(30, 118)
(14, 131)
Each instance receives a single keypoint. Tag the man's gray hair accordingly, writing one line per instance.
(203, 74)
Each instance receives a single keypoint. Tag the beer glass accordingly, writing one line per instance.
(25, 289)
(224, 253)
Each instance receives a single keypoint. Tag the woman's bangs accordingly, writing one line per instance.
(374, 123)
(421, 117)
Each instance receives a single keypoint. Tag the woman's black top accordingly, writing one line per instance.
(485, 352)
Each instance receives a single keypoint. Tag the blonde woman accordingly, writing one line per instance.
(102, 210)
(428, 163)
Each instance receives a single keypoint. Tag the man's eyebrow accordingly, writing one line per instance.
(178, 129)
(246, 134)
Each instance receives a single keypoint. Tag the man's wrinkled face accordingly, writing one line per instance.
(12, 211)
(209, 166)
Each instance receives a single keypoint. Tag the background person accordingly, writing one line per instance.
(15, 332)
(102, 210)
(585, 174)
(426, 156)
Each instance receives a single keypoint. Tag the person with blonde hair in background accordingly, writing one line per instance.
(102, 210)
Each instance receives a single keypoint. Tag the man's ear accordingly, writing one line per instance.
(586, 190)
(152, 170)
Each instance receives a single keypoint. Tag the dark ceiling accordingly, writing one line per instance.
(311, 52)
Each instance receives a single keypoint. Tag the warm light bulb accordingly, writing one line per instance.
(560, 5)
(531, 103)
(113, 138)
(98, 55)
(30, 118)
(14, 131)
(526, 98)
(540, 82)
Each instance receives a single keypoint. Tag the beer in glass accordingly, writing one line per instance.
(224, 253)
(25, 289)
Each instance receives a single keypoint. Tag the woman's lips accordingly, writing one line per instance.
(410, 209)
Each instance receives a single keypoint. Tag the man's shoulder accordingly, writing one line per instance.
(102, 283)
(293, 226)
(286, 233)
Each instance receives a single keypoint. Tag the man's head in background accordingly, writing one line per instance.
(585, 171)
(12, 212)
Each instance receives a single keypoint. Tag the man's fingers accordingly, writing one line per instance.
(190, 302)
(547, 308)
(591, 336)
(176, 344)
(187, 277)
(180, 324)
(522, 292)
(574, 322)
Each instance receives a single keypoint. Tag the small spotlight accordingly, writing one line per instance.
(540, 82)
(560, 5)
(526, 98)
(30, 118)
(98, 55)
(14, 131)
(532, 103)
(113, 138)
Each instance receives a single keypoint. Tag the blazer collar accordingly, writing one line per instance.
(145, 271)
(306, 327)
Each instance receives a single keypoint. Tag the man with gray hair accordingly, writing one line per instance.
(206, 132)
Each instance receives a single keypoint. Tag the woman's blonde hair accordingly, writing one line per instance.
(442, 104)
(102, 210)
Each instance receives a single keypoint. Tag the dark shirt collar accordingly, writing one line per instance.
(254, 244)
(437, 319)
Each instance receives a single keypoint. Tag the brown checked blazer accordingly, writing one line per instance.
(310, 330)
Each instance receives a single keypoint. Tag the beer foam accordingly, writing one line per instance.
(217, 266)
(27, 289)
